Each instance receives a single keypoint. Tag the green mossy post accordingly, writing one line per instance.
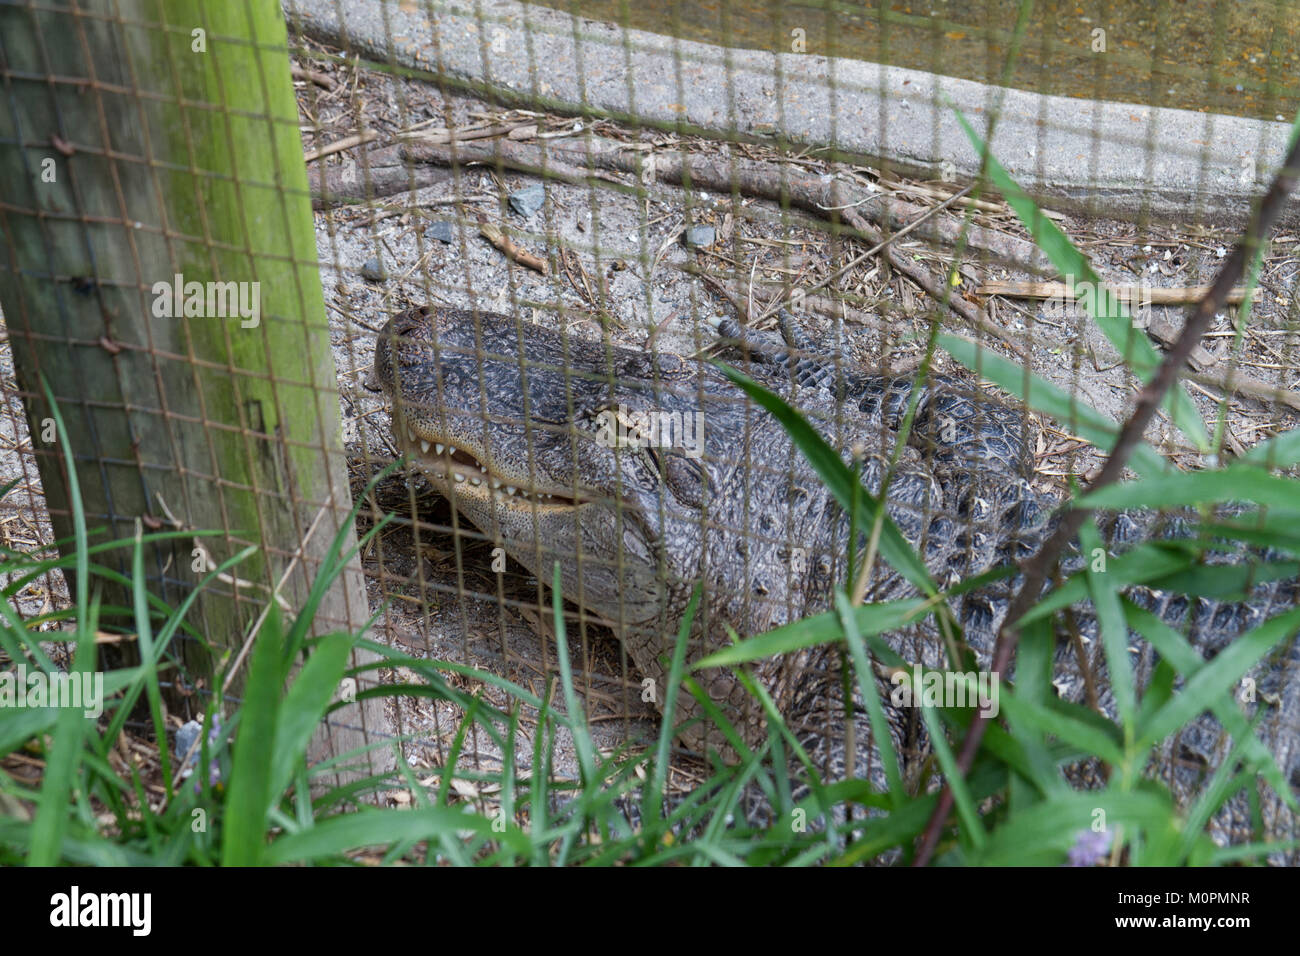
(142, 141)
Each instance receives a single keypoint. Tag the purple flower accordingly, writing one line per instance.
(185, 738)
(1090, 848)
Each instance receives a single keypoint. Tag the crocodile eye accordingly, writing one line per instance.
(686, 478)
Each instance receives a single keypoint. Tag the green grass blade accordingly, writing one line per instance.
(1028, 716)
(1174, 648)
(814, 631)
(309, 697)
(839, 480)
(1042, 396)
(871, 697)
(972, 827)
(70, 726)
(1105, 308)
(1112, 627)
(1043, 834)
(1216, 676)
(144, 635)
(1280, 451)
(349, 831)
(653, 802)
(1234, 483)
(250, 796)
(577, 720)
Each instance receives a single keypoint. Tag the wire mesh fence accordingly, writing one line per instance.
(211, 219)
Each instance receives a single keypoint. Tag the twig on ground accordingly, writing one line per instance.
(339, 145)
(516, 253)
(314, 76)
(1145, 294)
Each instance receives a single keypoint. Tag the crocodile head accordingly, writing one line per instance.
(628, 468)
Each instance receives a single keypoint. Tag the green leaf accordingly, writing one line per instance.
(1044, 833)
(813, 631)
(1233, 483)
(1042, 396)
(1057, 720)
(906, 824)
(309, 697)
(848, 619)
(71, 726)
(1105, 308)
(840, 481)
(961, 794)
(1215, 677)
(1140, 565)
(1114, 631)
(1280, 451)
(250, 796)
(653, 801)
(1226, 581)
(367, 827)
(1174, 649)
(581, 736)
(144, 636)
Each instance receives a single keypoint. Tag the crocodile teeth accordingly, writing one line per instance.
(451, 449)
(475, 481)
(509, 490)
(424, 446)
(437, 448)
(459, 477)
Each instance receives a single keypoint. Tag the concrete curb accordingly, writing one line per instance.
(1113, 159)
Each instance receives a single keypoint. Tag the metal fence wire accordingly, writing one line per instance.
(258, 254)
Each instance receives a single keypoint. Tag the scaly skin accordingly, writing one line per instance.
(635, 528)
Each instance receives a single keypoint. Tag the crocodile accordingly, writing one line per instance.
(645, 475)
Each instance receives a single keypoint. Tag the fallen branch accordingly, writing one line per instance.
(347, 142)
(764, 179)
(378, 173)
(1249, 386)
(1143, 294)
(1232, 380)
(314, 76)
(522, 157)
(516, 253)
(440, 137)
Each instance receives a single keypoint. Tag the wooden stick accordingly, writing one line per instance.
(1178, 295)
(440, 137)
(1249, 386)
(315, 76)
(347, 142)
(522, 256)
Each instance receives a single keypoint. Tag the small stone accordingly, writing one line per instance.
(699, 237)
(185, 738)
(441, 231)
(374, 270)
(528, 200)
